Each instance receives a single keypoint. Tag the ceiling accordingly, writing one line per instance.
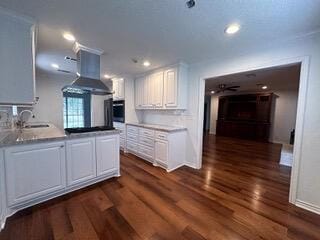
(277, 78)
(163, 31)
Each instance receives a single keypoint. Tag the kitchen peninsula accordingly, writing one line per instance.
(40, 163)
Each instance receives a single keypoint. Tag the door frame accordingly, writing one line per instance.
(300, 118)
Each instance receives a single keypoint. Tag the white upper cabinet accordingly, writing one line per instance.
(17, 39)
(163, 89)
(139, 92)
(118, 88)
(156, 89)
(171, 88)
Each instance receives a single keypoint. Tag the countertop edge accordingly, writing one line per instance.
(175, 129)
(60, 138)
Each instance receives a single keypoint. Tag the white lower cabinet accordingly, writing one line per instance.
(122, 128)
(33, 173)
(2, 188)
(107, 155)
(161, 152)
(34, 170)
(81, 160)
(164, 149)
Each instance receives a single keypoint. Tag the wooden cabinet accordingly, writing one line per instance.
(107, 154)
(81, 160)
(246, 116)
(118, 88)
(161, 152)
(17, 65)
(34, 170)
(163, 89)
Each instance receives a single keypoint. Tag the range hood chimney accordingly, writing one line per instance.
(88, 65)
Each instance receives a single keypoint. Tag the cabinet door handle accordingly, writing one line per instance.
(62, 146)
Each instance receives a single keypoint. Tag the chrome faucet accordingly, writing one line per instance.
(20, 123)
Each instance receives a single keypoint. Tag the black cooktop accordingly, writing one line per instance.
(88, 129)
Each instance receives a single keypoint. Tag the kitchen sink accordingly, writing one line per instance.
(37, 126)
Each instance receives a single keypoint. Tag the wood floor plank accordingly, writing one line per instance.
(81, 224)
(60, 221)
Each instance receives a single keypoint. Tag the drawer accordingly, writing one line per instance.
(146, 151)
(133, 138)
(146, 132)
(161, 135)
(146, 141)
(132, 130)
(132, 146)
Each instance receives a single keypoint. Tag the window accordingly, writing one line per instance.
(76, 110)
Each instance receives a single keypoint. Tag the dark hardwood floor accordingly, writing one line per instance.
(240, 193)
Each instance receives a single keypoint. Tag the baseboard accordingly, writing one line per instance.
(8, 213)
(3, 223)
(308, 206)
(176, 167)
(285, 163)
(191, 165)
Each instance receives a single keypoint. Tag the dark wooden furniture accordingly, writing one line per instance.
(245, 116)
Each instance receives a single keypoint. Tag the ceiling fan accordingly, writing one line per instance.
(224, 87)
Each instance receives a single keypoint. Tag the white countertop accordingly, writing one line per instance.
(165, 128)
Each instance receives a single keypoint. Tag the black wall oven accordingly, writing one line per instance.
(118, 111)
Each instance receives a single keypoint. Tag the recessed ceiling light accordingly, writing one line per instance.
(212, 92)
(69, 37)
(146, 63)
(232, 28)
(264, 87)
(106, 76)
(54, 65)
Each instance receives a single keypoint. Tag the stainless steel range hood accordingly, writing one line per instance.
(88, 65)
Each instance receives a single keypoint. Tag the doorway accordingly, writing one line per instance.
(304, 62)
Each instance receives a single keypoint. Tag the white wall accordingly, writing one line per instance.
(283, 119)
(131, 115)
(284, 116)
(97, 110)
(309, 177)
(50, 105)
